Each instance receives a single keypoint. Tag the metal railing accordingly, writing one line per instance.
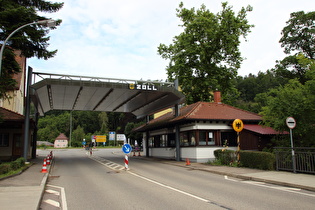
(304, 159)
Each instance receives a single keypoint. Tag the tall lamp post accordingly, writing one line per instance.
(48, 23)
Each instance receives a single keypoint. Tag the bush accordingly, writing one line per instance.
(259, 160)
(21, 162)
(224, 156)
(4, 168)
(14, 165)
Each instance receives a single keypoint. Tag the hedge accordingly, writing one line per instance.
(249, 159)
(259, 160)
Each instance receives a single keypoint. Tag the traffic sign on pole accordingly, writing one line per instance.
(290, 121)
(126, 148)
(238, 125)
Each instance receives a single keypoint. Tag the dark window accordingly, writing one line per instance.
(4, 139)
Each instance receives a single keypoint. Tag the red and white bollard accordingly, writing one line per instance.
(126, 162)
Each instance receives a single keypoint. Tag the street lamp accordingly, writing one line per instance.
(48, 23)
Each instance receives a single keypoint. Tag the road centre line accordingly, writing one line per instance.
(177, 190)
(165, 186)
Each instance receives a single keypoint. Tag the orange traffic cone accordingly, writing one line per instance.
(44, 169)
(187, 162)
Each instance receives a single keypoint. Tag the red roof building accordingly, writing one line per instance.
(204, 127)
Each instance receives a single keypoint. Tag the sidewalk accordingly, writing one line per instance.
(25, 191)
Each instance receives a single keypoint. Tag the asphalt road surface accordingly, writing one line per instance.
(79, 182)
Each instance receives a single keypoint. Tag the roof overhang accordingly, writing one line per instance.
(68, 92)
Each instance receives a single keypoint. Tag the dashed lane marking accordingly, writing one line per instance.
(52, 192)
(52, 202)
(107, 163)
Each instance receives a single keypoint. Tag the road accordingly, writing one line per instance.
(101, 182)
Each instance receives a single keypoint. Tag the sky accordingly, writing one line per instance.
(119, 38)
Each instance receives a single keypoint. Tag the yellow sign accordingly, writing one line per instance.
(100, 138)
(238, 125)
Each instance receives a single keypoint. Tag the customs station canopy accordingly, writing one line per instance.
(68, 92)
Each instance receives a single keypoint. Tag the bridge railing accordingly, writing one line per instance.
(304, 159)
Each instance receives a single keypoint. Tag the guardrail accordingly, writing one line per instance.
(304, 159)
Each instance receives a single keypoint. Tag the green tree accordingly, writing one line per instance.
(298, 37)
(77, 136)
(205, 56)
(103, 118)
(299, 34)
(295, 100)
(31, 40)
(48, 133)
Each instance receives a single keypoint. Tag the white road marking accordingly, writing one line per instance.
(109, 165)
(52, 202)
(263, 184)
(63, 196)
(52, 192)
(171, 188)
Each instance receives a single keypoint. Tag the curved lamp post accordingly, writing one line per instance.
(49, 23)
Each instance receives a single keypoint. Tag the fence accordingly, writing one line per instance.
(304, 161)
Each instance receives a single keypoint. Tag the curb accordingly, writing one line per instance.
(44, 182)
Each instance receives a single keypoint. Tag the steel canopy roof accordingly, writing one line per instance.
(68, 92)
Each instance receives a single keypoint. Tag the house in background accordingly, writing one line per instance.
(61, 141)
(203, 128)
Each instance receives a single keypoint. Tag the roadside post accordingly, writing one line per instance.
(238, 127)
(126, 148)
(290, 121)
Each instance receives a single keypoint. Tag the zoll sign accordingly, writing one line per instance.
(141, 87)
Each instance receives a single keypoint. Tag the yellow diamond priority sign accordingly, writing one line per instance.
(238, 125)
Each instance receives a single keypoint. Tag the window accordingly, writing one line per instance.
(210, 138)
(202, 138)
(4, 139)
(163, 141)
(206, 138)
(184, 139)
(192, 138)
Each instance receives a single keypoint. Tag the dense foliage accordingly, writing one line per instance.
(205, 56)
(31, 40)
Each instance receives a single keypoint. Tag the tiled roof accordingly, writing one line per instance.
(204, 111)
(62, 137)
(262, 130)
(10, 115)
(215, 111)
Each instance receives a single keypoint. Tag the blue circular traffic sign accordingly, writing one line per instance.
(126, 148)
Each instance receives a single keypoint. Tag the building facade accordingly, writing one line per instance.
(202, 128)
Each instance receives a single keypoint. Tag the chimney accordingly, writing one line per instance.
(217, 96)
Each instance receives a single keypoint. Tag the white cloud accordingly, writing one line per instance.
(119, 39)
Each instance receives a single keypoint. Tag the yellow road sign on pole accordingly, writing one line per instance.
(238, 125)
